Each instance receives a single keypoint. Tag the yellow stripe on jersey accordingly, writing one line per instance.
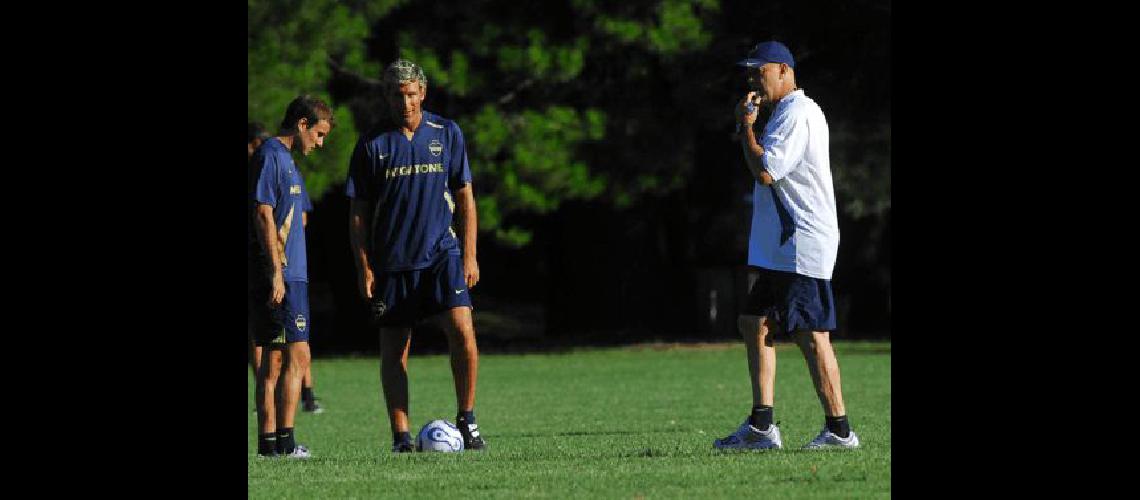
(283, 234)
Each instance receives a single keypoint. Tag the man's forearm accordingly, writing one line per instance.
(358, 234)
(269, 239)
(753, 156)
(470, 223)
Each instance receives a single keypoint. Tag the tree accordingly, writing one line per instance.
(289, 46)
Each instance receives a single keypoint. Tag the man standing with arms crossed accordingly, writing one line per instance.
(406, 179)
(280, 313)
(793, 246)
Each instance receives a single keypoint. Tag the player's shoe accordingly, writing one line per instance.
(471, 438)
(748, 437)
(403, 446)
(299, 451)
(312, 407)
(827, 439)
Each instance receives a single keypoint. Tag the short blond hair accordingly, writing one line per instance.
(403, 71)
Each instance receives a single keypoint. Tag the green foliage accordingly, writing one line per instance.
(533, 120)
(289, 46)
(675, 27)
(524, 161)
(583, 100)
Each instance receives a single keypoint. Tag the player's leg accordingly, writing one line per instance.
(394, 309)
(465, 371)
(824, 370)
(255, 298)
(761, 358)
(460, 332)
(394, 345)
(758, 431)
(294, 319)
(254, 321)
(254, 354)
(267, 386)
(811, 314)
(451, 295)
(299, 357)
(308, 399)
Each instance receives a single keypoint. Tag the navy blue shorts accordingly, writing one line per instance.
(287, 323)
(796, 302)
(400, 299)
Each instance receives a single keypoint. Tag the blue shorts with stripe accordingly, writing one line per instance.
(794, 301)
(284, 324)
(401, 298)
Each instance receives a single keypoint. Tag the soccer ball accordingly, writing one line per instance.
(439, 435)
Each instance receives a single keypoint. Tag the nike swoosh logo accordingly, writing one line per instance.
(457, 292)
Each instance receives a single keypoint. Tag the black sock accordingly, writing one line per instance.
(465, 418)
(839, 426)
(401, 437)
(285, 442)
(267, 444)
(761, 417)
(307, 394)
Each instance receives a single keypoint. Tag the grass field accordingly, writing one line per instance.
(635, 422)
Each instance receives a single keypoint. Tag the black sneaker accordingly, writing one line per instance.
(312, 406)
(471, 438)
(403, 446)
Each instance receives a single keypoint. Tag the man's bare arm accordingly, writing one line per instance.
(469, 226)
(753, 156)
(269, 241)
(358, 214)
(753, 151)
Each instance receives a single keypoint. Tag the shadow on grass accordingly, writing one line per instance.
(588, 433)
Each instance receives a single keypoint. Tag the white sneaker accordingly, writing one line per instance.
(299, 451)
(748, 437)
(828, 439)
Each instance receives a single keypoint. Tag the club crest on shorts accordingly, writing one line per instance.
(435, 147)
(300, 322)
(379, 308)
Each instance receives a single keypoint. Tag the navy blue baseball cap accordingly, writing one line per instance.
(768, 52)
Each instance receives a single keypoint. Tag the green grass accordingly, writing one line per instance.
(613, 423)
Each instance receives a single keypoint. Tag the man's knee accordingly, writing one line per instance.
(812, 341)
(755, 327)
(299, 356)
(460, 326)
(462, 319)
(271, 361)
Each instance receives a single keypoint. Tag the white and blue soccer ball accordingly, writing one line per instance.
(439, 435)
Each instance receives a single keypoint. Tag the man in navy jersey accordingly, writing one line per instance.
(406, 179)
(279, 303)
(255, 136)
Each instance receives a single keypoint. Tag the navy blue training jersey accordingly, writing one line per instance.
(276, 181)
(410, 185)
